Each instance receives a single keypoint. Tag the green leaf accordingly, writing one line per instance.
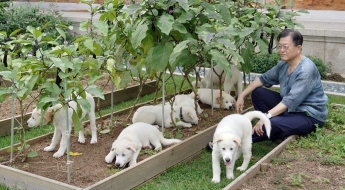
(61, 32)
(177, 50)
(102, 27)
(184, 4)
(76, 123)
(131, 9)
(32, 154)
(84, 103)
(62, 64)
(179, 27)
(184, 17)
(158, 57)
(147, 43)
(88, 43)
(165, 23)
(105, 131)
(95, 91)
(139, 34)
(219, 59)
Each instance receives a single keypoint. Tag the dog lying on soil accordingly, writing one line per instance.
(205, 96)
(233, 136)
(57, 115)
(186, 100)
(235, 80)
(132, 139)
(183, 116)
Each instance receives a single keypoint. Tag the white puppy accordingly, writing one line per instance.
(57, 115)
(128, 144)
(186, 100)
(235, 80)
(183, 115)
(233, 136)
(205, 96)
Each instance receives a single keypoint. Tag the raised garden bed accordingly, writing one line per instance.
(90, 171)
(118, 96)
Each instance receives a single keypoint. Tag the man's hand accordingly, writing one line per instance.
(239, 104)
(258, 128)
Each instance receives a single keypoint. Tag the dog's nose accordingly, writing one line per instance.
(227, 159)
(117, 164)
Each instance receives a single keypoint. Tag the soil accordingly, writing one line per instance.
(90, 167)
(298, 169)
(335, 77)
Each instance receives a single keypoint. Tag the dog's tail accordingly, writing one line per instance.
(258, 114)
(166, 142)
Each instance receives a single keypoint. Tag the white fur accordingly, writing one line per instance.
(235, 80)
(233, 136)
(186, 100)
(154, 115)
(57, 115)
(132, 139)
(205, 96)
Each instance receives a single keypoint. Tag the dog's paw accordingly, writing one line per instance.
(108, 159)
(93, 141)
(81, 140)
(241, 168)
(215, 180)
(188, 125)
(48, 149)
(230, 176)
(58, 154)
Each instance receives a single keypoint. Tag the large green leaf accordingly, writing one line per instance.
(165, 23)
(61, 32)
(102, 27)
(177, 50)
(63, 64)
(184, 17)
(179, 27)
(76, 123)
(131, 9)
(147, 43)
(158, 57)
(219, 58)
(89, 44)
(139, 34)
(184, 4)
(95, 91)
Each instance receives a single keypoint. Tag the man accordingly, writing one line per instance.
(300, 106)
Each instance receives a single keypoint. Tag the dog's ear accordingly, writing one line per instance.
(237, 140)
(48, 116)
(218, 100)
(217, 138)
(132, 146)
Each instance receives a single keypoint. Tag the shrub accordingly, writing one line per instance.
(262, 63)
(20, 17)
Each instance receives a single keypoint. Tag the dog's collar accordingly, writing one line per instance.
(181, 115)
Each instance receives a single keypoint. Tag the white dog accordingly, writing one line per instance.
(205, 96)
(186, 100)
(233, 136)
(183, 116)
(235, 80)
(57, 115)
(128, 144)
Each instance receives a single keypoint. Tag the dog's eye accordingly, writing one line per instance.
(226, 101)
(231, 149)
(123, 154)
(223, 148)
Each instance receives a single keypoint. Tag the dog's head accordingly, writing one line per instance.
(226, 145)
(227, 100)
(36, 117)
(189, 115)
(124, 152)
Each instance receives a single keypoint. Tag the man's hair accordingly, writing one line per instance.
(296, 36)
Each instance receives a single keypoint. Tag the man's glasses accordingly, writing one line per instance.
(283, 47)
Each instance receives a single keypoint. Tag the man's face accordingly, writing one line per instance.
(287, 49)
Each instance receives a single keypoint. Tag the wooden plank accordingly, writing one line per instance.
(156, 164)
(118, 96)
(252, 171)
(24, 180)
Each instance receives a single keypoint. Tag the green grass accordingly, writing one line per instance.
(197, 173)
